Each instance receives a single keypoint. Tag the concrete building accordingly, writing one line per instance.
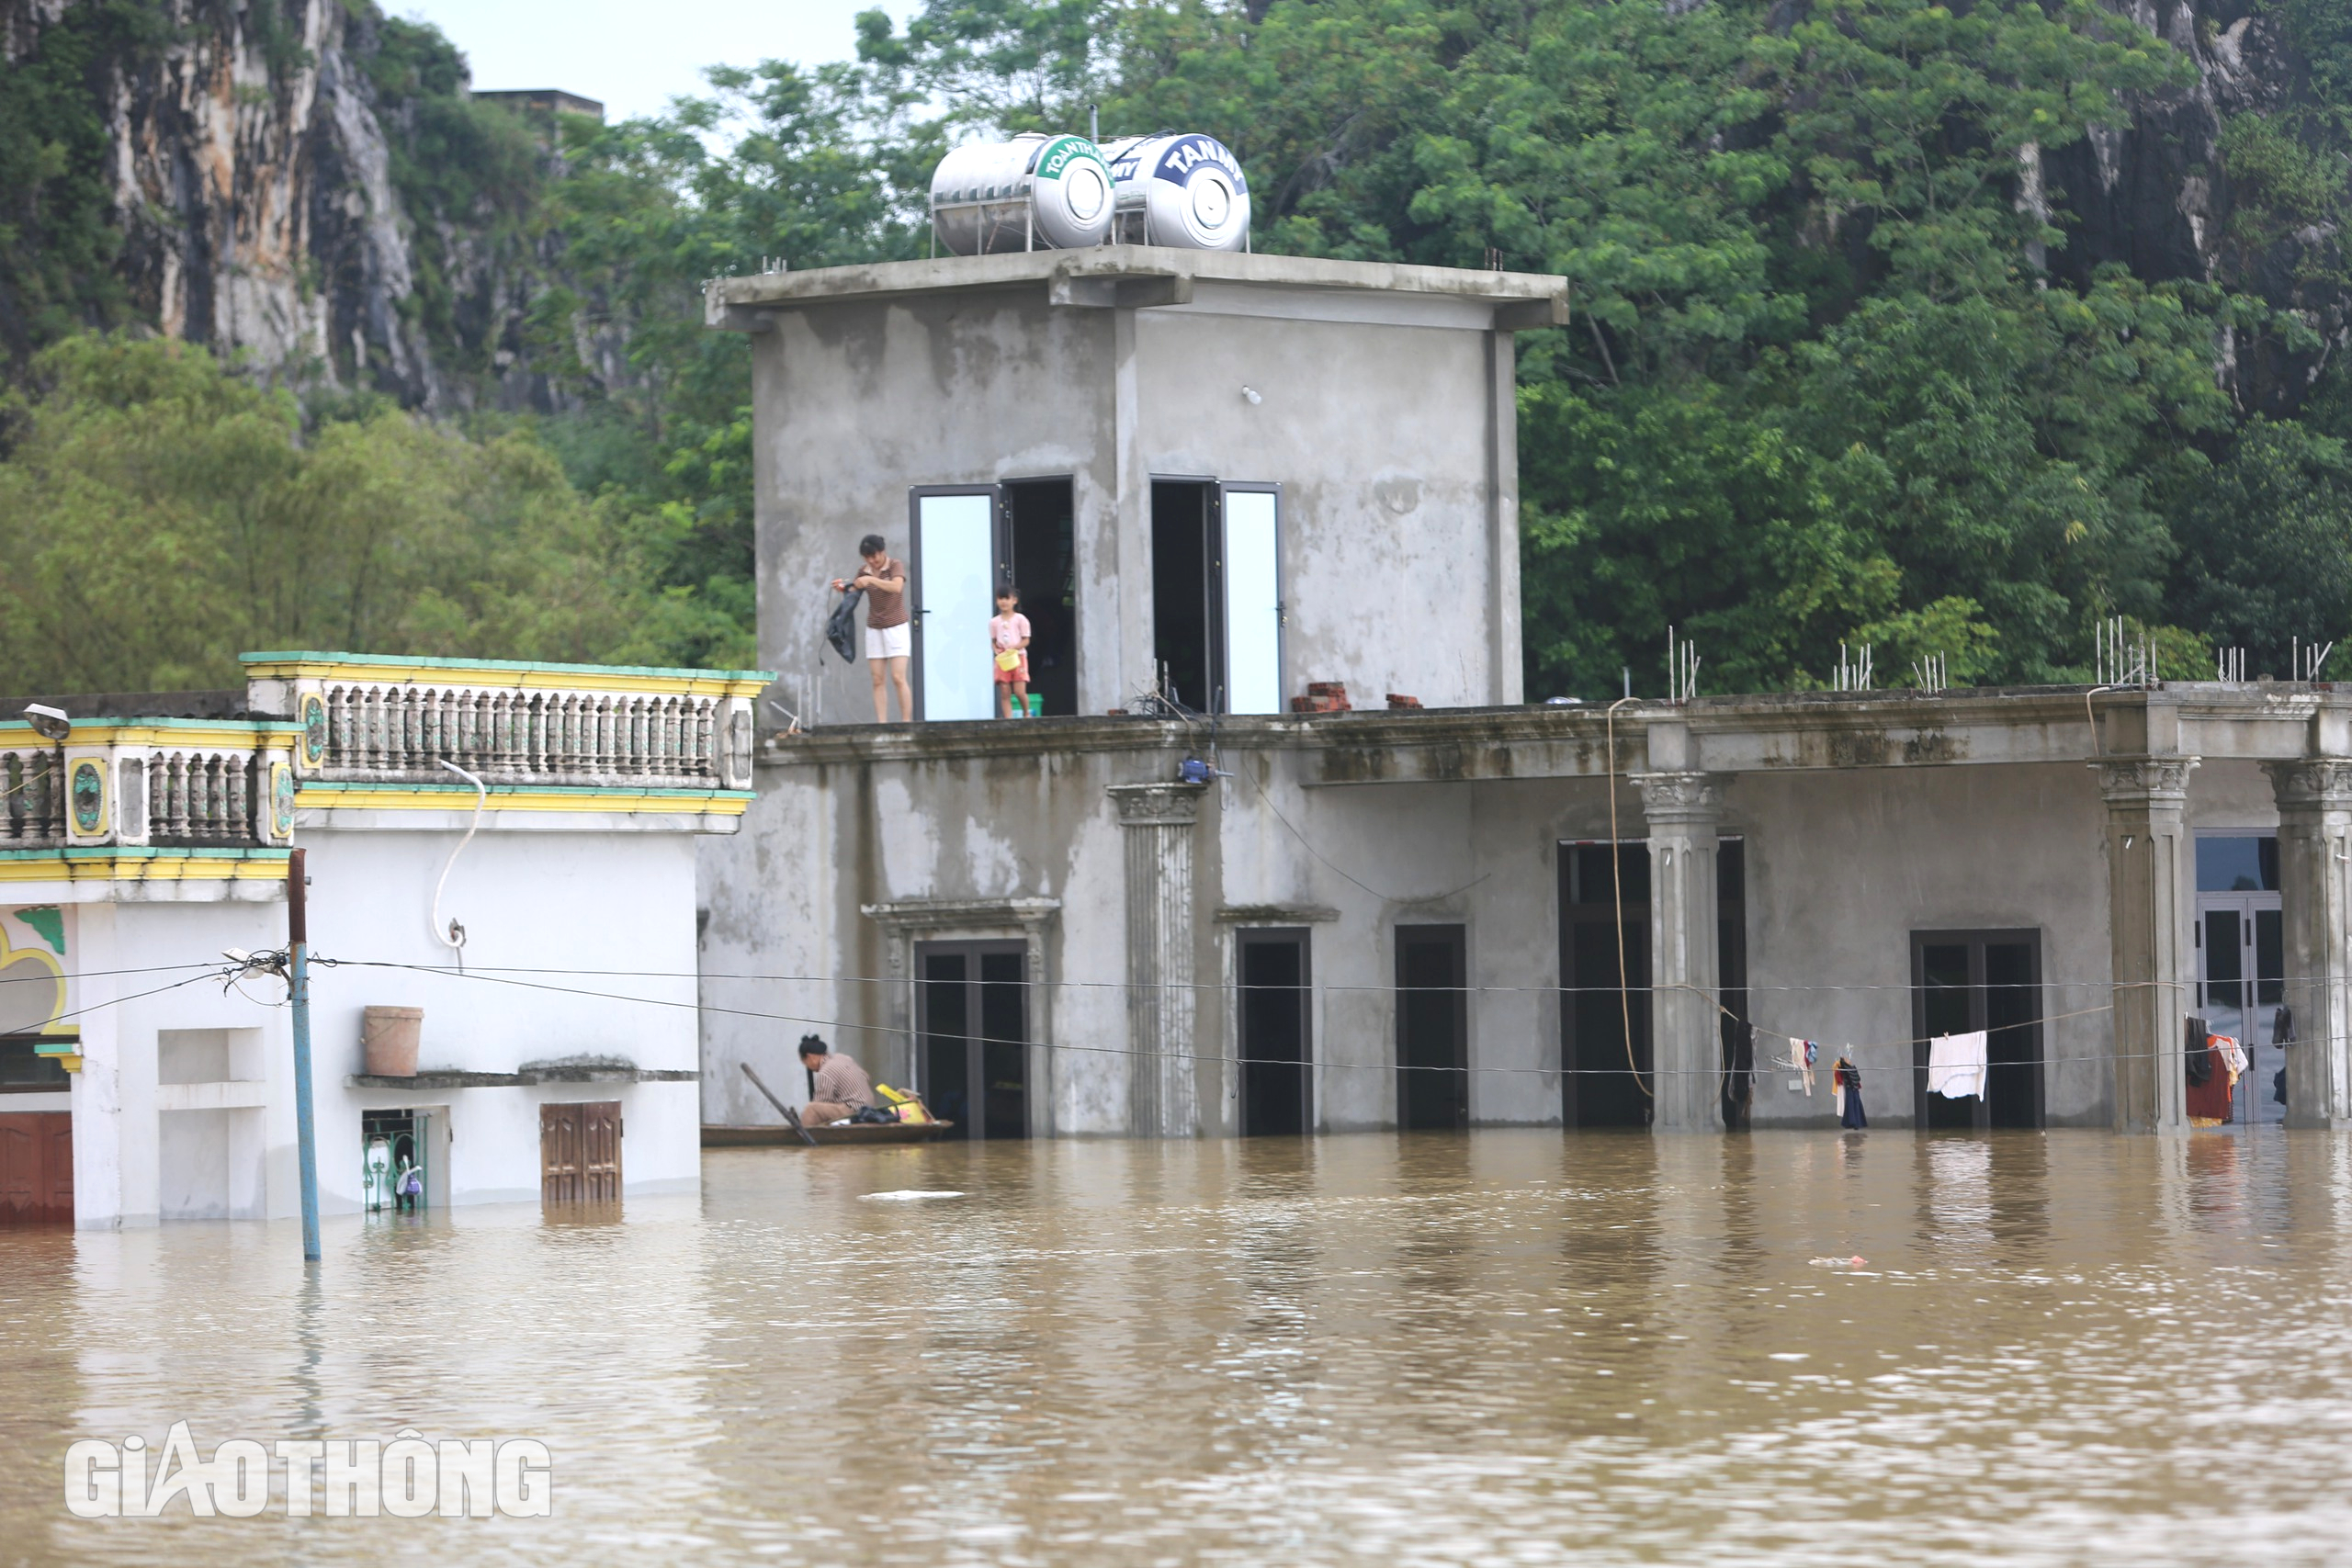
(1416, 919)
(135, 1086)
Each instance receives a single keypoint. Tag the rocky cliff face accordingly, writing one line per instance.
(2166, 197)
(251, 174)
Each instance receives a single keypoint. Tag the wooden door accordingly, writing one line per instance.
(37, 1167)
(580, 1152)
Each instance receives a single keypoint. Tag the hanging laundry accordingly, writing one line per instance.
(1811, 1054)
(2207, 1101)
(1845, 1081)
(1956, 1065)
(2233, 1055)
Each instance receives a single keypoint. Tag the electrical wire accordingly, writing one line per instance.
(846, 1025)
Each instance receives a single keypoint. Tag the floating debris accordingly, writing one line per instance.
(907, 1195)
(1856, 1262)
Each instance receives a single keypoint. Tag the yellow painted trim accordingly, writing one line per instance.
(507, 680)
(165, 867)
(245, 741)
(392, 797)
(223, 734)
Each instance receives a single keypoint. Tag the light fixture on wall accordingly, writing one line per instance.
(50, 724)
(1251, 396)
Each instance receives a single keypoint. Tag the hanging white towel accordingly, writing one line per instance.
(1956, 1065)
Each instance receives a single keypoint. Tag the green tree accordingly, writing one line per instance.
(159, 515)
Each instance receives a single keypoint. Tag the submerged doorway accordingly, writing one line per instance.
(1964, 981)
(580, 1152)
(37, 1167)
(2242, 961)
(1432, 1027)
(1276, 1034)
(1609, 1074)
(972, 1019)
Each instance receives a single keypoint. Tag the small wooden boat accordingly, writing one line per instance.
(715, 1136)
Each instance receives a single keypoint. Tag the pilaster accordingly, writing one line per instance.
(2314, 797)
(1684, 811)
(2150, 908)
(1157, 821)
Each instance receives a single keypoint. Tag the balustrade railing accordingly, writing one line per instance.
(401, 732)
(197, 796)
(34, 777)
(182, 794)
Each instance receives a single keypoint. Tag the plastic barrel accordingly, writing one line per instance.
(1182, 189)
(1034, 191)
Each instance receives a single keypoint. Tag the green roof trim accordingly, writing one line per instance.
(314, 657)
(246, 726)
(146, 852)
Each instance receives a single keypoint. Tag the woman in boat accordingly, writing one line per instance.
(838, 1088)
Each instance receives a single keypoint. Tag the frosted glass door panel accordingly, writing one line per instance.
(1253, 603)
(957, 556)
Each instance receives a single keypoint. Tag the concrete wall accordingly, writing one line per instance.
(546, 914)
(184, 1109)
(1389, 424)
(1842, 867)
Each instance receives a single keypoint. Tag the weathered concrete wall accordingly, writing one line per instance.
(1400, 550)
(1842, 867)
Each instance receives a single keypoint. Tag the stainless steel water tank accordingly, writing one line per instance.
(1033, 192)
(1179, 189)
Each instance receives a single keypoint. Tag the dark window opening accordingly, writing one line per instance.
(1963, 981)
(1187, 593)
(972, 1018)
(1040, 558)
(1432, 1027)
(1273, 1038)
(23, 1068)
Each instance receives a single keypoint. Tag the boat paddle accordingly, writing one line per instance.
(791, 1119)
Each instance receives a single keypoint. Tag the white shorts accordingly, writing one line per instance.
(890, 642)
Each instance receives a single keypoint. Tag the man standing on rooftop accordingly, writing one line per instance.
(889, 639)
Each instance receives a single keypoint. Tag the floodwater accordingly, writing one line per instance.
(1498, 1348)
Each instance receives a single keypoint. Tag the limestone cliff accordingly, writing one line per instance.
(250, 168)
(2178, 194)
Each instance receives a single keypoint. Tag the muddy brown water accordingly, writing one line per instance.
(1498, 1349)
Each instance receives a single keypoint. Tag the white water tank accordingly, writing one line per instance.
(1034, 192)
(1178, 189)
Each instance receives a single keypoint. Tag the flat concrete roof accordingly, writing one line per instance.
(1137, 276)
(1761, 733)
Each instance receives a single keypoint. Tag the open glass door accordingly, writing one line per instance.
(1253, 602)
(955, 562)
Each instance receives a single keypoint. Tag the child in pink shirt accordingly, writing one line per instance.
(1008, 641)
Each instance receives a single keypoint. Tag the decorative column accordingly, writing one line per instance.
(2315, 888)
(1684, 811)
(2154, 955)
(1156, 819)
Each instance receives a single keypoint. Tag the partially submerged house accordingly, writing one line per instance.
(539, 913)
(1220, 479)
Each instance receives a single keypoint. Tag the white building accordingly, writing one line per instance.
(559, 1042)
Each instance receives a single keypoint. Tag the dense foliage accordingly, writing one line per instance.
(157, 515)
(1836, 369)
